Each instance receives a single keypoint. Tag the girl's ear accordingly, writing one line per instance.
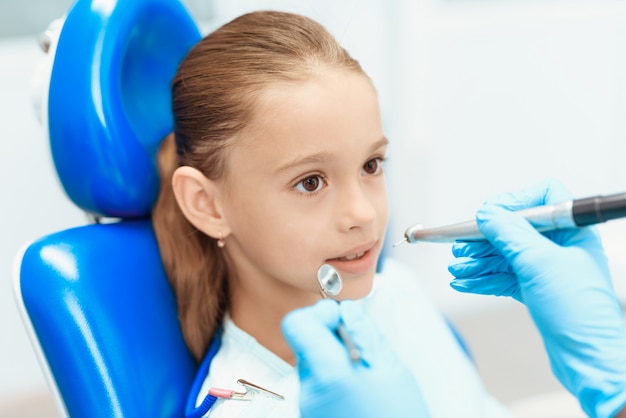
(199, 199)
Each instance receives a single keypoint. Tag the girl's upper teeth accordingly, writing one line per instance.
(352, 257)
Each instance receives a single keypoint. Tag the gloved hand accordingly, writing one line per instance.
(563, 279)
(332, 386)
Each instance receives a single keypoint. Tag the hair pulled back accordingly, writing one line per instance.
(213, 98)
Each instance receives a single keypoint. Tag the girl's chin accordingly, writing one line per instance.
(352, 296)
(356, 290)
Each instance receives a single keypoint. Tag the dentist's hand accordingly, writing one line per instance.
(379, 385)
(563, 279)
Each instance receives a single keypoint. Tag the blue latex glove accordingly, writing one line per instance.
(563, 279)
(331, 385)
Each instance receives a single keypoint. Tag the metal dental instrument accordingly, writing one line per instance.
(330, 286)
(570, 214)
(251, 391)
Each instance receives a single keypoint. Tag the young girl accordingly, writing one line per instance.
(277, 168)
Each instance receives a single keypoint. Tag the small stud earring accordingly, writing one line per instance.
(220, 242)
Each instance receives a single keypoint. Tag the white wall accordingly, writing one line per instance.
(33, 204)
(493, 96)
(478, 97)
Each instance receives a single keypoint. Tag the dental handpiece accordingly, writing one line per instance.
(570, 214)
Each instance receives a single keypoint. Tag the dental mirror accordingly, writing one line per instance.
(330, 286)
(329, 280)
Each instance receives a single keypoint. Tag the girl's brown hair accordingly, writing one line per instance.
(213, 98)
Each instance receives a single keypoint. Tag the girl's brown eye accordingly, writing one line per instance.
(310, 184)
(372, 166)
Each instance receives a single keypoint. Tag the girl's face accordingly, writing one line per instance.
(305, 186)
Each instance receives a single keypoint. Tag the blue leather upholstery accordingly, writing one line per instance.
(109, 100)
(105, 318)
(95, 297)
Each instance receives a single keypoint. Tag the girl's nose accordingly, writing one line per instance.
(358, 208)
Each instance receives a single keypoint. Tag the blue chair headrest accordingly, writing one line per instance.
(109, 100)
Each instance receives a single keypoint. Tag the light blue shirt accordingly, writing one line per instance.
(403, 312)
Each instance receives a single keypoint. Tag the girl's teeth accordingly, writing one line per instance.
(351, 257)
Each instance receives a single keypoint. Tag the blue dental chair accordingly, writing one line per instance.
(95, 299)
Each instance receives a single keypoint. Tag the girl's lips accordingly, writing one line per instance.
(355, 263)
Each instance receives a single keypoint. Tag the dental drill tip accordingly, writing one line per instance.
(400, 242)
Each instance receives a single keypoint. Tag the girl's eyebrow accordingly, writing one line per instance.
(381, 142)
(299, 161)
(321, 156)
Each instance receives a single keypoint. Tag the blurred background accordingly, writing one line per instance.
(478, 97)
